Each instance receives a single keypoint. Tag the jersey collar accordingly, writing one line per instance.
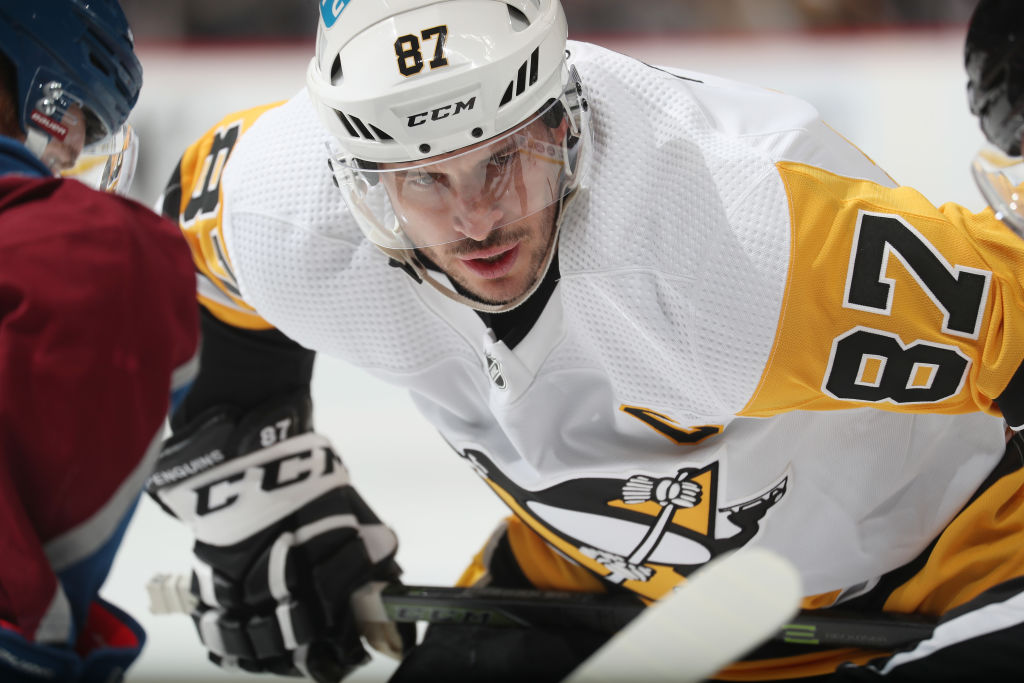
(15, 158)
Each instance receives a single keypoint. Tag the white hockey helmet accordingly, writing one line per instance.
(400, 82)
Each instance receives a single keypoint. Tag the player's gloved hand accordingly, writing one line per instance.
(282, 541)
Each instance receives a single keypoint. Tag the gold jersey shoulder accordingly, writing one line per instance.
(194, 200)
(891, 302)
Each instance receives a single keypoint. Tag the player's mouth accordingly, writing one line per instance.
(492, 263)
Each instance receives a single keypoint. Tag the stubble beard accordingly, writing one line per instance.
(506, 235)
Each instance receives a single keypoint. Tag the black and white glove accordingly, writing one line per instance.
(282, 542)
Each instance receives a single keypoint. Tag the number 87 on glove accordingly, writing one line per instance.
(282, 540)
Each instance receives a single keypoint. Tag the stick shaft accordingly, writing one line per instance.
(503, 607)
(500, 607)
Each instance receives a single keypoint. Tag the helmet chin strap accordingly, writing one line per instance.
(36, 141)
(406, 258)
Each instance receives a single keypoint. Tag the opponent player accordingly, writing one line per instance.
(97, 327)
(994, 60)
(663, 315)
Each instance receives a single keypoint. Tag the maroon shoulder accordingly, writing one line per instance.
(97, 313)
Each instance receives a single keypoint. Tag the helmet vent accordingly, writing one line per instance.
(104, 44)
(99, 64)
(525, 77)
(357, 129)
(381, 135)
(517, 18)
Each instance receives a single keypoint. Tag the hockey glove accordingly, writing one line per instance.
(107, 644)
(282, 541)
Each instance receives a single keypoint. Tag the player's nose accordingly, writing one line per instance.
(477, 212)
(477, 221)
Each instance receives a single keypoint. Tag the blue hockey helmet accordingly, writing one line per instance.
(70, 52)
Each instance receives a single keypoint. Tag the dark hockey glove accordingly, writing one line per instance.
(282, 541)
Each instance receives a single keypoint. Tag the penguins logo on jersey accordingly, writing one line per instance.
(645, 531)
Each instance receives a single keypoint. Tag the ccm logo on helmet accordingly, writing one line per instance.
(275, 474)
(330, 10)
(442, 112)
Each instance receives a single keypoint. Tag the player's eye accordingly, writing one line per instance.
(420, 179)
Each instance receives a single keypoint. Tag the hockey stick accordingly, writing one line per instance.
(525, 607)
(502, 607)
(726, 609)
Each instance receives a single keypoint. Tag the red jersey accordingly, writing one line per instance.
(98, 325)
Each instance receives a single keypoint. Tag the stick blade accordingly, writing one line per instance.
(727, 608)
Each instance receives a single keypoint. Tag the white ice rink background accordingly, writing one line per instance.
(898, 95)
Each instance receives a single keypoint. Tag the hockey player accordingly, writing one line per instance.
(663, 315)
(994, 60)
(97, 327)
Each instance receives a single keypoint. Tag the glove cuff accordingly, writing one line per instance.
(108, 644)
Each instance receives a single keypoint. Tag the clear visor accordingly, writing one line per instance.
(109, 164)
(60, 127)
(464, 194)
(1000, 179)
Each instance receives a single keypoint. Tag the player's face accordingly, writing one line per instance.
(484, 214)
(506, 263)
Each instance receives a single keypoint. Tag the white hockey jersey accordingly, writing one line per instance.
(746, 302)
